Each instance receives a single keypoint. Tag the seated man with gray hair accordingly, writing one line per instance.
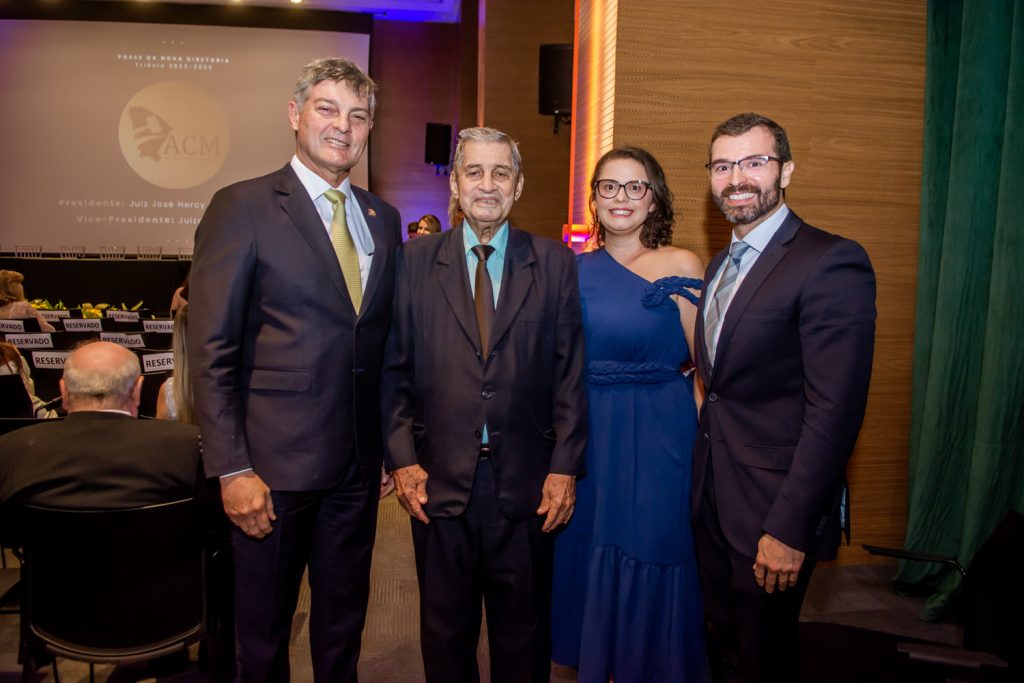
(101, 457)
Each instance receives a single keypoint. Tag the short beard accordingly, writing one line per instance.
(745, 215)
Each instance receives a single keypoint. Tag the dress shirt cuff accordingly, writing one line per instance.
(231, 474)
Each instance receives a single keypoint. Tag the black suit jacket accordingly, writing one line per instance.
(286, 375)
(439, 391)
(100, 461)
(785, 399)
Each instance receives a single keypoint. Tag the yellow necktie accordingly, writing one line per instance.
(345, 248)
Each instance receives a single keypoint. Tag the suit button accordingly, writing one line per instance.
(477, 433)
(712, 397)
(486, 394)
(358, 329)
(707, 437)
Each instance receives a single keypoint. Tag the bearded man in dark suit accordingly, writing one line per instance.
(485, 418)
(290, 301)
(786, 336)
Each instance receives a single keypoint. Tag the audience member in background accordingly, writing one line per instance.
(627, 601)
(174, 402)
(785, 336)
(180, 297)
(13, 363)
(12, 300)
(428, 224)
(289, 307)
(412, 230)
(100, 456)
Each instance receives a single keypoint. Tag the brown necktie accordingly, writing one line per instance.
(484, 296)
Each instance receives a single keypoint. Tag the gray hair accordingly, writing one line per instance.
(335, 69)
(484, 135)
(107, 385)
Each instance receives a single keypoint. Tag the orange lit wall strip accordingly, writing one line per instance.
(593, 101)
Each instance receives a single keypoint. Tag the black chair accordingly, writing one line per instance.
(119, 586)
(151, 383)
(29, 325)
(991, 604)
(46, 373)
(14, 398)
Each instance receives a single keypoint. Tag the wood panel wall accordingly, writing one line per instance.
(417, 66)
(511, 36)
(847, 82)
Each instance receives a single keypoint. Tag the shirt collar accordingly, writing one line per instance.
(499, 241)
(759, 237)
(314, 184)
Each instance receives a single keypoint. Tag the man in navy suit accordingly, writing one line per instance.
(290, 303)
(786, 328)
(485, 418)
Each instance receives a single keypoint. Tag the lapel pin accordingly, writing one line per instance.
(371, 213)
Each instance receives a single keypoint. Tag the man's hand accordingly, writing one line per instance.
(247, 503)
(558, 500)
(387, 483)
(776, 563)
(411, 489)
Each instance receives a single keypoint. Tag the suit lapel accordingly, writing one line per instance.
(516, 281)
(454, 280)
(296, 203)
(765, 264)
(381, 252)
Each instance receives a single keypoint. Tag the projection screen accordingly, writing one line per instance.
(118, 133)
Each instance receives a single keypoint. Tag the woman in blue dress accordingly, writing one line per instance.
(627, 603)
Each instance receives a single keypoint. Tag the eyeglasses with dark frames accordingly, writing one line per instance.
(635, 189)
(751, 165)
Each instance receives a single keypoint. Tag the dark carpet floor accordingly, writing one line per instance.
(851, 601)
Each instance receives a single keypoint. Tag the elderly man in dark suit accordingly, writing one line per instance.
(101, 457)
(786, 328)
(485, 418)
(290, 302)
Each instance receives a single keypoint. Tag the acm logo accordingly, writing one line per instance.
(174, 135)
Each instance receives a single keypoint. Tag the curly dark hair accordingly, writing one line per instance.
(657, 229)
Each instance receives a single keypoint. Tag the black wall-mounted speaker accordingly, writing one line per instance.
(438, 146)
(554, 92)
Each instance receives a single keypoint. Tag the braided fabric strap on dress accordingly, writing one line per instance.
(615, 372)
(659, 291)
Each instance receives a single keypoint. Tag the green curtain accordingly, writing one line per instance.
(967, 429)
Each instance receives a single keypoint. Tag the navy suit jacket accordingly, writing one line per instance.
(439, 390)
(285, 373)
(785, 399)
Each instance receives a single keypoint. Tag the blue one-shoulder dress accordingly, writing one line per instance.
(627, 603)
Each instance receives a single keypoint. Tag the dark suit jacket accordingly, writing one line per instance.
(286, 376)
(438, 391)
(100, 461)
(786, 399)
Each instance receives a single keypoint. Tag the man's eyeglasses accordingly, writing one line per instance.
(635, 189)
(750, 165)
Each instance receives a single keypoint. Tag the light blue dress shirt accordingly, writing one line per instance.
(758, 239)
(316, 186)
(495, 262)
(495, 268)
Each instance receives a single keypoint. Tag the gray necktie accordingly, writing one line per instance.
(718, 302)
